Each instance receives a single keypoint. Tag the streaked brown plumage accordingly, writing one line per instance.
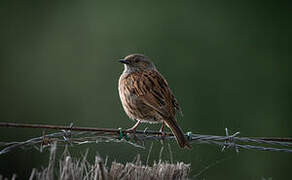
(146, 96)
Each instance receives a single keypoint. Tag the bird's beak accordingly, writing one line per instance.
(124, 61)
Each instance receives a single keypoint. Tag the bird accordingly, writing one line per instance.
(146, 96)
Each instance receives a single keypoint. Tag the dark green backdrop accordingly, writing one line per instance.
(228, 64)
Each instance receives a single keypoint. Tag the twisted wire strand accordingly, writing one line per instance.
(82, 135)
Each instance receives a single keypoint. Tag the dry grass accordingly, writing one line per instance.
(69, 168)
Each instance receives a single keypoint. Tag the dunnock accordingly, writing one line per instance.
(146, 97)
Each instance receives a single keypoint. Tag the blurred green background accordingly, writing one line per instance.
(227, 63)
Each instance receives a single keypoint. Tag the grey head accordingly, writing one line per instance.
(137, 62)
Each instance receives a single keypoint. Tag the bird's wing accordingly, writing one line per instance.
(152, 89)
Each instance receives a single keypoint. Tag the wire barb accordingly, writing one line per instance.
(229, 142)
(123, 135)
(189, 135)
(67, 133)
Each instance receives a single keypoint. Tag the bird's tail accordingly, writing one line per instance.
(178, 133)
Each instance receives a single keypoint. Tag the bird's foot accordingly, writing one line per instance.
(162, 133)
(133, 130)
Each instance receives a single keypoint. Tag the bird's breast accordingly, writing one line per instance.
(128, 98)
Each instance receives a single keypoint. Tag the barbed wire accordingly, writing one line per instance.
(85, 135)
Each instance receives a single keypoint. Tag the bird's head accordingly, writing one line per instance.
(137, 62)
